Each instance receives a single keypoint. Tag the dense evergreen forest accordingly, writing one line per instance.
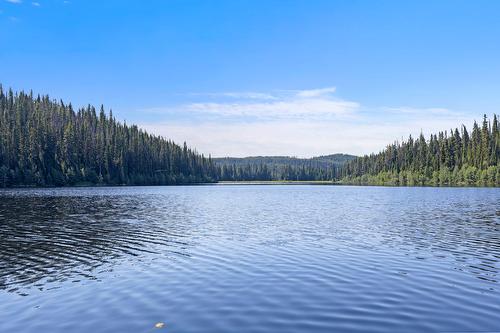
(268, 168)
(47, 143)
(455, 158)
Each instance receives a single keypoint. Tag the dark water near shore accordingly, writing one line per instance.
(250, 259)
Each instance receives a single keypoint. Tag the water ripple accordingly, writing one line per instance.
(250, 259)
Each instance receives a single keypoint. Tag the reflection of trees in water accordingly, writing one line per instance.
(54, 239)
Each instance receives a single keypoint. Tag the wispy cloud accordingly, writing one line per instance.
(316, 92)
(412, 110)
(14, 1)
(301, 138)
(278, 109)
(36, 4)
(237, 95)
(280, 94)
(297, 123)
(282, 105)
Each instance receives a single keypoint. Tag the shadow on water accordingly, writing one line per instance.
(47, 240)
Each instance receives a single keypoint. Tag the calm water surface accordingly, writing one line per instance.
(250, 259)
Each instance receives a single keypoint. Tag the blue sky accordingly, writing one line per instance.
(241, 78)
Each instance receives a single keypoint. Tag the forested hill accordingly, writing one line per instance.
(47, 143)
(455, 158)
(281, 167)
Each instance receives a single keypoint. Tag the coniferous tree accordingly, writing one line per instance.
(454, 159)
(47, 143)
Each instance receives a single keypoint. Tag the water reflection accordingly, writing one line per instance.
(50, 236)
(444, 224)
(47, 239)
(250, 259)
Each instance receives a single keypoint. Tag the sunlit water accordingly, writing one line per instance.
(250, 259)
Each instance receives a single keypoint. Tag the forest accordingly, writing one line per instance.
(276, 168)
(454, 158)
(45, 142)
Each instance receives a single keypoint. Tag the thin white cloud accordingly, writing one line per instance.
(249, 95)
(316, 92)
(14, 1)
(36, 4)
(238, 95)
(411, 110)
(301, 123)
(281, 94)
(278, 109)
(310, 103)
(301, 138)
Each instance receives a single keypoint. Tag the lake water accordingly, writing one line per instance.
(235, 258)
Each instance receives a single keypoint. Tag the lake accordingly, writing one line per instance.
(250, 258)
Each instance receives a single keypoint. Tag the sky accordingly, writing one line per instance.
(262, 77)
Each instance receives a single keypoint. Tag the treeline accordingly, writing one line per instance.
(47, 143)
(269, 168)
(455, 158)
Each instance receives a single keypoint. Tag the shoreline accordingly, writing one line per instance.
(251, 182)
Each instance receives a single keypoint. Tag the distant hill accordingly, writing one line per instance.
(44, 142)
(281, 167)
(320, 161)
